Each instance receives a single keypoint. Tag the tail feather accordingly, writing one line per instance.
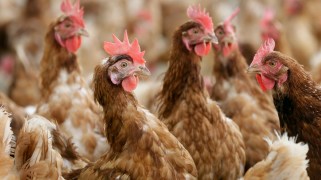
(286, 160)
(6, 134)
(35, 156)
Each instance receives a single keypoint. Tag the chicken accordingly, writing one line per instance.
(286, 160)
(25, 36)
(141, 147)
(296, 96)
(271, 28)
(34, 157)
(239, 96)
(213, 140)
(66, 98)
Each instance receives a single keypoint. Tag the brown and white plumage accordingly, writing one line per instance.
(240, 97)
(6, 137)
(18, 114)
(296, 97)
(34, 156)
(286, 160)
(141, 147)
(66, 98)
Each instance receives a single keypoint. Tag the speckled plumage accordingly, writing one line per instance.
(286, 160)
(67, 99)
(213, 140)
(141, 147)
(242, 100)
(298, 102)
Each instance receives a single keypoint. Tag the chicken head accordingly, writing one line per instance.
(225, 32)
(126, 63)
(198, 34)
(270, 28)
(70, 26)
(267, 66)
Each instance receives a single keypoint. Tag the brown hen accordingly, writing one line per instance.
(66, 98)
(296, 96)
(141, 147)
(213, 140)
(240, 97)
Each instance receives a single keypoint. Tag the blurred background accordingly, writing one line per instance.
(296, 24)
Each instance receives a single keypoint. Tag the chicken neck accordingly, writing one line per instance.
(183, 75)
(55, 59)
(232, 66)
(116, 103)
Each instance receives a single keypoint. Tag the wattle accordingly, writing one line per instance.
(202, 49)
(73, 44)
(130, 83)
(264, 82)
(226, 51)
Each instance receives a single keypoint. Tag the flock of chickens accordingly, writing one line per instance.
(256, 116)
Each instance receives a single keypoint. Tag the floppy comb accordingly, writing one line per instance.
(266, 47)
(201, 16)
(227, 22)
(73, 10)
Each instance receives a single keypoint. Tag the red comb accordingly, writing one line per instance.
(118, 48)
(267, 47)
(202, 17)
(267, 17)
(73, 10)
(227, 22)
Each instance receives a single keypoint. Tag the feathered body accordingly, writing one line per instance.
(286, 160)
(18, 113)
(6, 137)
(240, 97)
(26, 37)
(141, 147)
(297, 99)
(213, 140)
(298, 103)
(67, 99)
(241, 100)
(34, 155)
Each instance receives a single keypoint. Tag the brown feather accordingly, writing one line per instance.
(298, 102)
(141, 145)
(242, 100)
(214, 141)
(67, 99)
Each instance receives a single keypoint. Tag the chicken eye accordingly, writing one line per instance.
(67, 25)
(272, 63)
(195, 31)
(219, 32)
(123, 64)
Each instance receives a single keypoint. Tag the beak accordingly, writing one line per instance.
(82, 32)
(142, 71)
(210, 37)
(254, 68)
